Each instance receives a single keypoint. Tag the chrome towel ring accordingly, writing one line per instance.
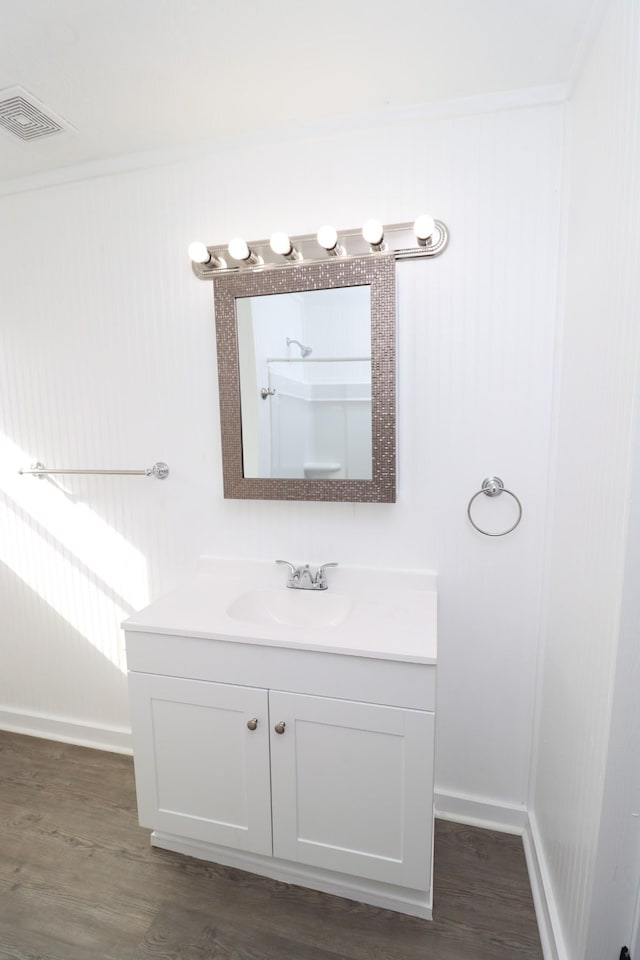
(493, 487)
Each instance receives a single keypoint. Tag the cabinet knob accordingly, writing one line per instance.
(279, 727)
(253, 723)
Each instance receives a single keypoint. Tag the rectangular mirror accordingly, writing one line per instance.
(305, 384)
(306, 364)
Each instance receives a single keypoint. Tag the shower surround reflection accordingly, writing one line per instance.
(306, 413)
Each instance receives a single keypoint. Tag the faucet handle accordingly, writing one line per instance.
(320, 579)
(294, 572)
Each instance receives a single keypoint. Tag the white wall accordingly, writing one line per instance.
(108, 359)
(614, 901)
(591, 850)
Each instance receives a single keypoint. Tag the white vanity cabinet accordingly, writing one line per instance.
(346, 785)
(300, 763)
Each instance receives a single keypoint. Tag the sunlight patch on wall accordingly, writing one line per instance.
(87, 536)
(79, 565)
(69, 591)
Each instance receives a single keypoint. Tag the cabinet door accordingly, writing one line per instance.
(352, 787)
(201, 772)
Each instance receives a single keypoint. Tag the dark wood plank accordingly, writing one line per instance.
(79, 881)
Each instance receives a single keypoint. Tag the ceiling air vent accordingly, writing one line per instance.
(25, 118)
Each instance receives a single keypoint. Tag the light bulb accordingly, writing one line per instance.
(373, 232)
(198, 252)
(280, 243)
(239, 249)
(424, 227)
(327, 237)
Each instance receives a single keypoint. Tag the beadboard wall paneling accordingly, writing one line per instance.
(108, 356)
(615, 902)
(592, 492)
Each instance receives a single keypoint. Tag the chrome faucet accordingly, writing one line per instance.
(303, 577)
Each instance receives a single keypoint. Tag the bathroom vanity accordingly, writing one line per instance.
(291, 733)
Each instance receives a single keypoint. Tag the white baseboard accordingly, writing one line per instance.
(481, 812)
(67, 731)
(551, 938)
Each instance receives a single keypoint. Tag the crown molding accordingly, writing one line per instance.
(529, 97)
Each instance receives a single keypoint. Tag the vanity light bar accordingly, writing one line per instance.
(425, 237)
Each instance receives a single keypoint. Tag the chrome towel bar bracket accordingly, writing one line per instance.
(493, 487)
(159, 470)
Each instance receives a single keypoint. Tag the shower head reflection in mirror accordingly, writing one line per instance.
(304, 351)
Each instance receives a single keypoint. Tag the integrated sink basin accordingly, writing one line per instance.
(365, 612)
(291, 608)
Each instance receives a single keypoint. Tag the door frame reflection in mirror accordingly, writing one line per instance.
(377, 272)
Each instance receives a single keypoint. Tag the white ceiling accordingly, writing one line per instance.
(138, 75)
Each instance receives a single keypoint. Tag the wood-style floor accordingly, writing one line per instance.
(79, 881)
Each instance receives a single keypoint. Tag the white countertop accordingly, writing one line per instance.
(392, 614)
